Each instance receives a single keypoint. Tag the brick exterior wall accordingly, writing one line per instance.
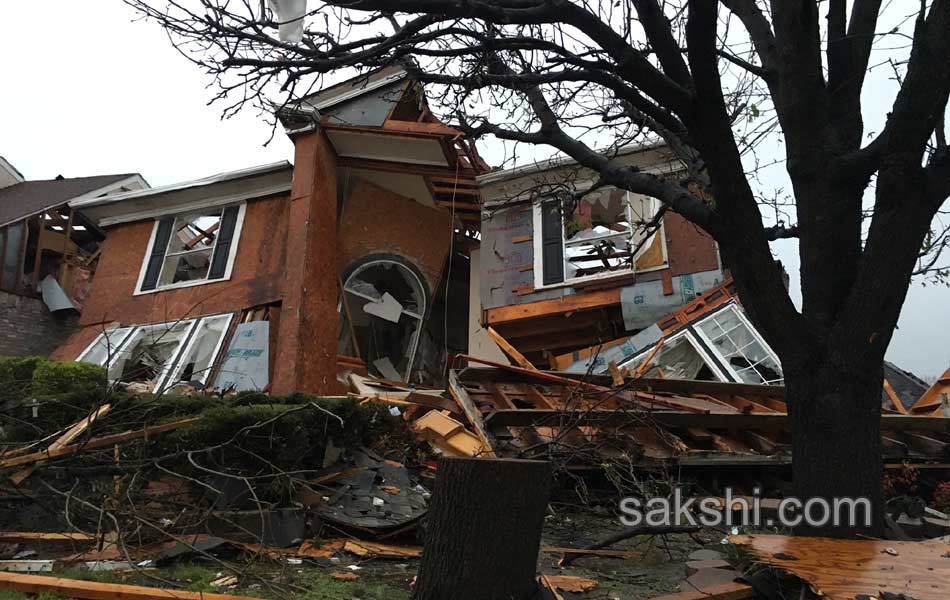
(28, 328)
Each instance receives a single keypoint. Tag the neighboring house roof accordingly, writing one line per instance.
(908, 387)
(233, 186)
(30, 197)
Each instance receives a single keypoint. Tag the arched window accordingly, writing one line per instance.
(385, 307)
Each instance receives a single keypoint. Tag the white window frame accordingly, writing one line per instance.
(170, 371)
(637, 359)
(571, 281)
(232, 253)
(755, 334)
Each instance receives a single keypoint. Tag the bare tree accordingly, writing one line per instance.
(712, 79)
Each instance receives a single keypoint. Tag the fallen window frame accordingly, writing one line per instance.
(127, 338)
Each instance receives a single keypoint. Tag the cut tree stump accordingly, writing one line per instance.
(484, 530)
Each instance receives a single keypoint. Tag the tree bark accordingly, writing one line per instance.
(484, 530)
(835, 417)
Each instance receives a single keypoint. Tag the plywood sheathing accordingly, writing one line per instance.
(845, 569)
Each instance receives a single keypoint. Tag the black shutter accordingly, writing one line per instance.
(157, 257)
(219, 261)
(552, 245)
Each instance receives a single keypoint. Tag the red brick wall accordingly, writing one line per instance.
(377, 220)
(256, 278)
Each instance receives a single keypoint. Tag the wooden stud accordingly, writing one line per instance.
(510, 350)
(93, 590)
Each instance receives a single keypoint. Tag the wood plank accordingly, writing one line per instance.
(685, 420)
(471, 412)
(17, 537)
(71, 434)
(92, 590)
(538, 398)
(501, 398)
(510, 350)
(845, 569)
(100, 442)
(722, 591)
(573, 302)
(508, 374)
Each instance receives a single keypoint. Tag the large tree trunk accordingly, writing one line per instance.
(836, 447)
(484, 530)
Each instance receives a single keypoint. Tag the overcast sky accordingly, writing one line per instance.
(88, 90)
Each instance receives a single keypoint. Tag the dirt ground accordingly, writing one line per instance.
(657, 569)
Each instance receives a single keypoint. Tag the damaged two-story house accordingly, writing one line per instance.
(561, 270)
(281, 277)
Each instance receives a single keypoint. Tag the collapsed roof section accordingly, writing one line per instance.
(381, 122)
(712, 339)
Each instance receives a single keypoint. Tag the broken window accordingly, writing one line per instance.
(192, 248)
(721, 347)
(162, 354)
(678, 358)
(603, 234)
(741, 348)
(385, 305)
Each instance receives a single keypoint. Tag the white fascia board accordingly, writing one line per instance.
(219, 178)
(13, 171)
(346, 92)
(555, 162)
(209, 202)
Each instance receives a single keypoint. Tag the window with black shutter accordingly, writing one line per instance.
(552, 243)
(157, 257)
(191, 248)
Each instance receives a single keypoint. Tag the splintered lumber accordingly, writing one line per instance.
(99, 442)
(449, 435)
(377, 550)
(468, 407)
(71, 434)
(570, 583)
(509, 350)
(845, 569)
(722, 591)
(685, 420)
(93, 590)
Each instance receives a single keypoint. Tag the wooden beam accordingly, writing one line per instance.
(574, 302)
(99, 442)
(509, 374)
(399, 167)
(93, 590)
(471, 412)
(509, 350)
(685, 420)
(71, 434)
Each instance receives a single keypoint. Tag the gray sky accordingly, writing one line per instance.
(87, 90)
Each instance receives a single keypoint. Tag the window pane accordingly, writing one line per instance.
(149, 351)
(597, 234)
(192, 266)
(195, 231)
(105, 346)
(740, 348)
(11, 256)
(197, 363)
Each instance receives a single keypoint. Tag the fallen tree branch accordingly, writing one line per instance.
(627, 534)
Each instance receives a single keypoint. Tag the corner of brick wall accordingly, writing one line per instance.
(28, 328)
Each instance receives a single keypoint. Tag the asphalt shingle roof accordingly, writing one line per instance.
(30, 197)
